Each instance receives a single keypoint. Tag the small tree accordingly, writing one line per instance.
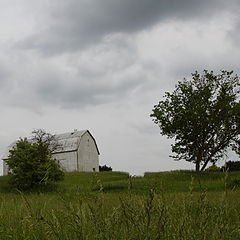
(203, 116)
(31, 163)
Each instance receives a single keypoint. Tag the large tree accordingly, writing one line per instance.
(31, 162)
(202, 115)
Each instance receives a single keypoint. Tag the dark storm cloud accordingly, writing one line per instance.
(75, 24)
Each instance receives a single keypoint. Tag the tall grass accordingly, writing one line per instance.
(155, 216)
(115, 206)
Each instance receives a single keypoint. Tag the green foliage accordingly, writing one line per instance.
(31, 166)
(203, 116)
(231, 166)
(105, 168)
(213, 168)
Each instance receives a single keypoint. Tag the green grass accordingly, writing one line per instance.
(112, 205)
(175, 181)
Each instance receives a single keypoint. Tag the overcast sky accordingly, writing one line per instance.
(103, 65)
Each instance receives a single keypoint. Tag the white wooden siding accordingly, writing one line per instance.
(67, 161)
(88, 154)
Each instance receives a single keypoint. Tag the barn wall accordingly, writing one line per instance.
(5, 168)
(88, 154)
(67, 160)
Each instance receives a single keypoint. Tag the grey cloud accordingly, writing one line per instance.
(5, 74)
(84, 92)
(107, 73)
(144, 128)
(182, 68)
(234, 32)
(104, 74)
(75, 24)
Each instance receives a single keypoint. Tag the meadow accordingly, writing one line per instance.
(113, 205)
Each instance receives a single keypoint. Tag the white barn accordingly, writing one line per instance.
(77, 151)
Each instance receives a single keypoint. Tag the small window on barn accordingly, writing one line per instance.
(94, 169)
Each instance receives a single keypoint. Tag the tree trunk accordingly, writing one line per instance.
(197, 166)
(204, 165)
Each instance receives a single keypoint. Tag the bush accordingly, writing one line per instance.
(231, 166)
(31, 167)
(213, 168)
(105, 168)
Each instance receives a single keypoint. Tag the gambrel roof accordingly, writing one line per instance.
(69, 142)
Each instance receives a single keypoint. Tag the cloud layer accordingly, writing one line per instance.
(73, 25)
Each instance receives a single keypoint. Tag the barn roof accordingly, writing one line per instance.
(68, 142)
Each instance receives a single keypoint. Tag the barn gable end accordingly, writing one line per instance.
(87, 154)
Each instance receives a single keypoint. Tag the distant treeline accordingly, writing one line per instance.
(230, 166)
(105, 168)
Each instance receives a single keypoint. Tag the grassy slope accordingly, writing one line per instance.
(175, 181)
(119, 182)
(113, 206)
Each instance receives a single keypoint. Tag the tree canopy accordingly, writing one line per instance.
(30, 162)
(202, 115)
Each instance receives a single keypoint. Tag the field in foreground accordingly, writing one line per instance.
(169, 205)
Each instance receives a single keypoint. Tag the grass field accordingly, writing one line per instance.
(112, 205)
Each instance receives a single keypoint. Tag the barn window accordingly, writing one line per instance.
(94, 169)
